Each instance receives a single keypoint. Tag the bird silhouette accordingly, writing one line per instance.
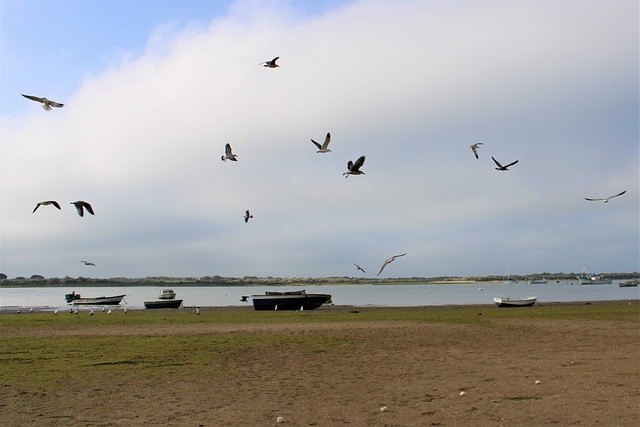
(388, 261)
(354, 168)
(270, 64)
(359, 268)
(46, 103)
(324, 148)
(247, 215)
(474, 148)
(81, 206)
(46, 203)
(228, 155)
(88, 263)
(503, 168)
(606, 199)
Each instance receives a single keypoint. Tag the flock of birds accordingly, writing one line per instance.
(353, 168)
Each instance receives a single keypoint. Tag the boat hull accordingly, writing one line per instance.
(629, 283)
(515, 302)
(172, 303)
(77, 300)
(589, 281)
(289, 301)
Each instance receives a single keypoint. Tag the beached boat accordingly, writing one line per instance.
(165, 303)
(628, 283)
(294, 300)
(594, 279)
(538, 281)
(76, 299)
(515, 302)
(167, 294)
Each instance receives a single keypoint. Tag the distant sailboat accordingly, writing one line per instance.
(509, 280)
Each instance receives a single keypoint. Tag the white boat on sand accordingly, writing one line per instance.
(515, 302)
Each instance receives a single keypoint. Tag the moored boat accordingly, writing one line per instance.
(167, 294)
(628, 283)
(594, 279)
(76, 299)
(165, 303)
(538, 281)
(515, 302)
(293, 300)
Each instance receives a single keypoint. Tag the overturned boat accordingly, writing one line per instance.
(293, 300)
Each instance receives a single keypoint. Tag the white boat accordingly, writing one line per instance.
(167, 294)
(594, 279)
(628, 283)
(509, 280)
(538, 281)
(76, 299)
(515, 302)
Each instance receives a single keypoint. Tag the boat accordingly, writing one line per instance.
(167, 294)
(76, 299)
(628, 283)
(164, 303)
(515, 302)
(538, 281)
(509, 280)
(594, 279)
(293, 300)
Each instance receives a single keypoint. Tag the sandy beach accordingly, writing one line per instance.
(477, 366)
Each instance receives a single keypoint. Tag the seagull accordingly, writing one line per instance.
(81, 206)
(606, 199)
(46, 203)
(228, 155)
(247, 215)
(359, 268)
(503, 168)
(109, 312)
(324, 148)
(46, 103)
(388, 261)
(474, 148)
(354, 168)
(270, 64)
(88, 263)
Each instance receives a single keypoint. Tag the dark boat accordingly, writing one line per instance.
(76, 299)
(294, 300)
(167, 303)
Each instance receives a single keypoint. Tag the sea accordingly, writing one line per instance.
(413, 295)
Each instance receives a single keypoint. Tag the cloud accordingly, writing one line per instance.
(410, 85)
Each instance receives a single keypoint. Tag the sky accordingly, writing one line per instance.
(153, 90)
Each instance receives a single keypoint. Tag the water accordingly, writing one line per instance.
(356, 295)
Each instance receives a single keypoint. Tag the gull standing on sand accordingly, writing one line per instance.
(354, 168)
(324, 148)
(503, 168)
(388, 261)
(606, 199)
(247, 215)
(474, 148)
(228, 155)
(46, 103)
(270, 64)
(81, 206)
(46, 203)
(359, 268)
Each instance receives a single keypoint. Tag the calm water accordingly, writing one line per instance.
(356, 295)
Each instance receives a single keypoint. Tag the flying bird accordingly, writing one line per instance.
(81, 206)
(503, 168)
(46, 203)
(88, 263)
(606, 199)
(359, 268)
(46, 103)
(228, 155)
(388, 261)
(270, 64)
(474, 148)
(324, 148)
(354, 168)
(247, 215)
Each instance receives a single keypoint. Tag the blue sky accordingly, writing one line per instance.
(154, 89)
